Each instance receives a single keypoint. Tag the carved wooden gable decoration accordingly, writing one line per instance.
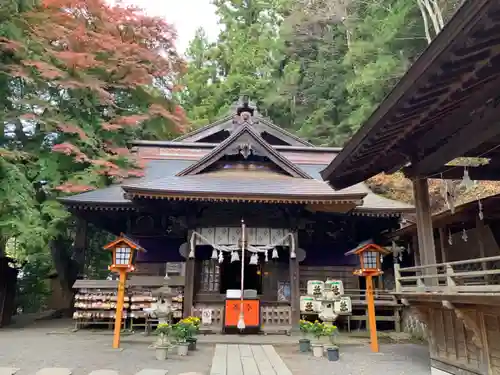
(245, 142)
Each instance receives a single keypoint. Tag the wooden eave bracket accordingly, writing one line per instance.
(469, 323)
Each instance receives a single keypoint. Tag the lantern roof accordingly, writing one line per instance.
(123, 239)
(368, 245)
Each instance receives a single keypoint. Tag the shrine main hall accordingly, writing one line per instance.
(196, 191)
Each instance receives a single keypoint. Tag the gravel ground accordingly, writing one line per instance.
(31, 349)
(393, 359)
(51, 344)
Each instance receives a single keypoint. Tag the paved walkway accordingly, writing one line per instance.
(247, 360)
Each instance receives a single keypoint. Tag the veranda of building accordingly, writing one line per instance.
(240, 167)
(447, 106)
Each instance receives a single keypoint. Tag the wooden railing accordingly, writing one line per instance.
(382, 297)
(474, 276)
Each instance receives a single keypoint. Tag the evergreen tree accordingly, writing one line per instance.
(242, 60)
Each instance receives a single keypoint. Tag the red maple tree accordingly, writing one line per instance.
(100, 75)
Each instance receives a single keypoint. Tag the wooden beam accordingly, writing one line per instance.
(442, 125)
(478, 130)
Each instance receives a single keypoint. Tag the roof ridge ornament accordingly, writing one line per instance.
(245, 111)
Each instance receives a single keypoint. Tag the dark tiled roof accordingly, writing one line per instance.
(245, 183)
(114, 194)
(157, 169)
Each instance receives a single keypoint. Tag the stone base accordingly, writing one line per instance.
(441, 368)
(436, 371)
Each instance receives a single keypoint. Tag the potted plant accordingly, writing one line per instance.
(317, 330)
(162, 344)
(194, 324)
(181, 331)
(332, 351)
(305, 330)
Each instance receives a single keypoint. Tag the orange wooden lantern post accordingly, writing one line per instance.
(370, 266)
(124, 253)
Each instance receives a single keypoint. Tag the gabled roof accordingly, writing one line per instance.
(245, 134)
(227, 123)
(365, 245)
(126, 240)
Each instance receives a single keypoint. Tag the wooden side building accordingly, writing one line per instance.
(445, 107)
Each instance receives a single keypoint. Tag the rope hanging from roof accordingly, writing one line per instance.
(235, 249)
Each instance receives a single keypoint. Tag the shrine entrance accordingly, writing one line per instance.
(230, 276)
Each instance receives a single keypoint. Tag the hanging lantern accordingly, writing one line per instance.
(275, 254)
(214, 254)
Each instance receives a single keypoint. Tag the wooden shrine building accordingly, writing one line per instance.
(205, 183)
(446, 107)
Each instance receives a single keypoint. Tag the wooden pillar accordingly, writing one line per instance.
(295, 288)
(188, 287)
(80, 246)
(424, 221)
(442, 244)
(189, 272)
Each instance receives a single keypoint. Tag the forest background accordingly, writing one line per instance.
(79, 79)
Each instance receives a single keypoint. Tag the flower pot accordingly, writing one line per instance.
(332, 354)
(304, 345)
(317, 350)
(161, 353)
(192, 343)
(182, 348)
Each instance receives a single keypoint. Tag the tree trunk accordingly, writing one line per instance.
(66, 267)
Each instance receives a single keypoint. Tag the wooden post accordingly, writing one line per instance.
(480, 243)
(397, 275)
(188, 287)
(484, 361)
(372, 321)
(189, 274)
(294, 288)
(424, 224)
(442, 244)
(120, 300)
